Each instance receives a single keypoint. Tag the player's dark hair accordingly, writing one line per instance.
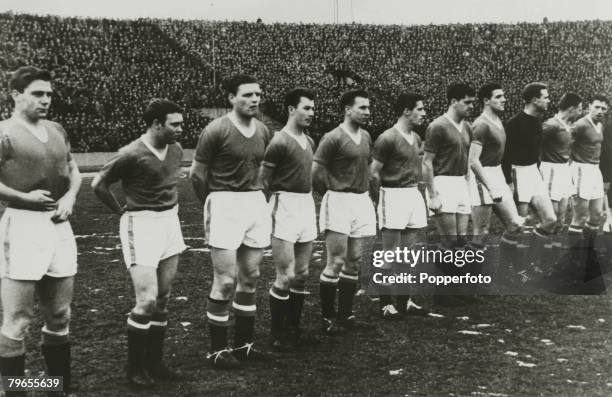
(231, 85)
(348, 98)
(21, 78)
(486, 91)
(533, 90)
(158, 109)
(293, 97)
(568, 100)
(407, 100)
(458, 91)
(600, 98)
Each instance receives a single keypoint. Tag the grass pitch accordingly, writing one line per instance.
(499, 346)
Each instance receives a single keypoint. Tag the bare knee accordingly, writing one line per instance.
(248, 279)
(353, 257)
(223, 287)
(146, 302)
(283, 280)
(16, 325)
(161, 303)
(58, 319)
(336, 262)
(301, 274)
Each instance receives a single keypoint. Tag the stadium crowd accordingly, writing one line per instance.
(107, 69)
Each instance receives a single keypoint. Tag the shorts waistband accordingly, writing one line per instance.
(414, 187)
(579, 164)
(525, 166)
(296, 194)
(555, 164)
(348, 191)
(172, 211)
(234, 193)
(450, 176)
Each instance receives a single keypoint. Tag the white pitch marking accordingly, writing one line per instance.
(562, 360)
(436, 315)
(576, 327)
(467, 332)
(512, 354)
(181, 298)
(396, 371)
(524, 364)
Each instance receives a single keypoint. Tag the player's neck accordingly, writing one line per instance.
(404, 126)
(293, 128)
(23, 117)
(153, 140)
(350, 126)
(243, 120)
(452, 115)
(563, 116)
(490, 113)
(531, 110)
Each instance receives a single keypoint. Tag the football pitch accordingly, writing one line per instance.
(498, 346)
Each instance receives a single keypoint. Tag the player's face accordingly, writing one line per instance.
(541, 103)
(417, 115)
(303, 113)
(497, 102)
(575, 112)
(465, 106)
(35, 99)
(172, 127)
(597, 110)
(359, 112)
(246, 101)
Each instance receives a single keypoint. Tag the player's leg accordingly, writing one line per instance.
(218, 307)
(481, 218)
(55, 291)
(166, 273)
(144, 280)
(593, 269)
(545, 212)
(284, 262)
(336, 246)
(348, 280)
(297, 295)
(447, 227)
(17, 312)
(579, 216)
(248, 260)
(391, 240)
(404, 303)
(55, 297)
(596, 213)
